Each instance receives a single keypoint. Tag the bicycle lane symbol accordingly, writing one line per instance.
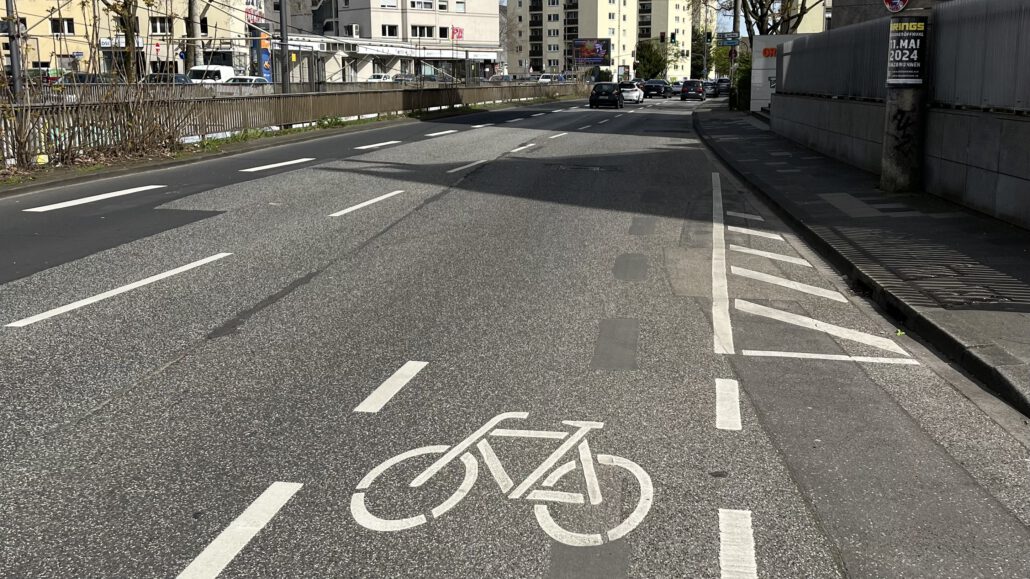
(463, 451)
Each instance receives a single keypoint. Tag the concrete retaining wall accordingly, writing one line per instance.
(981, 160)
(847, 130)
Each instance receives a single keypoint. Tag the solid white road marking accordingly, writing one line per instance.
(365, 203)
(469, 166)
(377, 145)
(584, 127)
(516, 120)
(493, 464)
(213, 559)
(751, 216)
(442, 133)
(522, 148)
(116, 291)
(558, 135)
(721, 327)
(838, 357)
(770, 255)
(92, 198)
(813, 324)
(736, 545)
(794, 285)
(754, 232)
(276, 165)
(387, 390)
(727, 404)
(538, 115)
(483, 125)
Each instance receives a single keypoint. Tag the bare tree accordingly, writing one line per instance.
(763, 17)
(128, 23)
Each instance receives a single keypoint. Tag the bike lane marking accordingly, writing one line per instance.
(92, 198)
(220, 552)
(365, 204)
(736, 545)
(727, 404)
(721, 326)
(111, 293)
(388, 389)
(750, 216)
(755, 232)
(790, 284)
(813, 324)
(770, 255)
(277, 165)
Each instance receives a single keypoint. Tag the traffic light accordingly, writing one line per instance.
(708, 37)
(661, 38)
(672, 38)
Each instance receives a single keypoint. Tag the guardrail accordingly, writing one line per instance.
(32, 134)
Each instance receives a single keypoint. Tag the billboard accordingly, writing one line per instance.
(594, 51)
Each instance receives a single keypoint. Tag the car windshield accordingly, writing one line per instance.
(202, 74)
(238, 80)
(604, 87)
(627, 86)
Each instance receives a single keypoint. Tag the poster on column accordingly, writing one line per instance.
(907, 53)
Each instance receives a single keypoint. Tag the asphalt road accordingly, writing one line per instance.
(202, 375)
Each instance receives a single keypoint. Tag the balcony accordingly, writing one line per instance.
(644, 9)
(572, 5)
(536, 6)
(536, 37)
(536, 53)
(644, 32)
(571, 22)
(536, 22)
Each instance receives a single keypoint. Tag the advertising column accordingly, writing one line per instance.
(904, 116)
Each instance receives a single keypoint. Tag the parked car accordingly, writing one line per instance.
(711, 89)
(550, 78)
(692, 89)
(637, 81)
(166, 78)
(210, 73)
(74, 78)
(677, 87)
(426, 78)
(502, 78)
(657, 88)
(606, 93)
(380, 77)
(403, 78)
(247, 80)
(631, 92)
(724, 86)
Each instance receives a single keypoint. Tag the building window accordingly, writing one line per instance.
(552, 62)
(553, 32)
(553, 48)
(611, 32)
(422, 4)
(160, 25)
(459, 5)
(520, 34)
(387, 3)
(623, 17)
(121, 24)
(552, 2)
(441, 5)
(677, 19)
(390, 30)
(521, 61)
(611, 16)
(552, 17)
(421, 31)
(203, 26)
(443, 32)
(62, 26)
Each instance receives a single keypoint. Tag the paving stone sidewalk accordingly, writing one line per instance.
(958, 279)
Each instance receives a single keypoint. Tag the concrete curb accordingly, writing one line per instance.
(971, 358)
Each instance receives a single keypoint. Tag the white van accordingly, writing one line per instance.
(211, 73)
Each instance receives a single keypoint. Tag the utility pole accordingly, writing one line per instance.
(284, 44)
(736, 16)
(14, 34)
(191, 34)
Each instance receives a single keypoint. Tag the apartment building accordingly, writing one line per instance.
(545, 31)
(61, 35)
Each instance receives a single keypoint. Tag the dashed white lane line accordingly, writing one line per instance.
(376, 145)
(838, 357)
(736, 545)
(813, 324)
(783, 282)
(770, 255)
(516, 120)
(727, 404)
(750, 216)
(111, 293)
(754, 232)
(722, 329)
(277, 165)
(558, 111)
(213, 559)
(483, 125)
(442, 133)
(522, 148)
(584, 127)
(603, 122)
(92, 198)
(469, 166)
(631, 112)
(365, 203)
(558, 135)
(538, 115)
(619, 115)
(387, 390)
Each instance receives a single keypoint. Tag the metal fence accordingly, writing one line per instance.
(979, 57)
(848, 62)
(981, 54)
(60, 133)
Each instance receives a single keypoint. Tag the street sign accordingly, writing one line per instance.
(182, 55)
(729, 42)
(78, 54)
(733, 54)
(731, 35)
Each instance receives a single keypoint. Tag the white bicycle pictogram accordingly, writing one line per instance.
(463, 451)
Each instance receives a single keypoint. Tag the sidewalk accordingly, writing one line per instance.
(958, 279)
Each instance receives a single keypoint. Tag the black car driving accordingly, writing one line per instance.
(692, 89)
(657, 88)
(606, 94)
